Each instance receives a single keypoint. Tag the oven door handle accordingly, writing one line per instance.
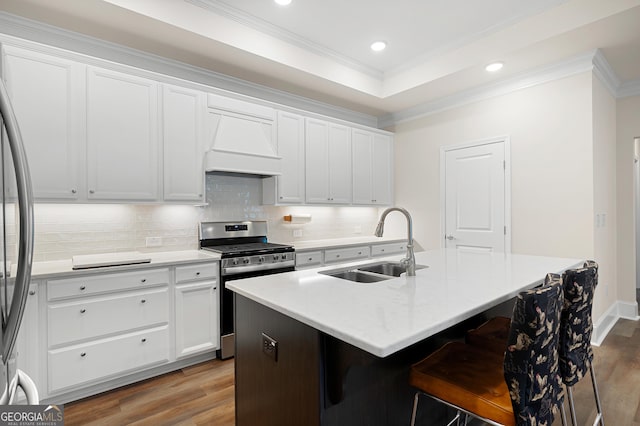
(234, 270)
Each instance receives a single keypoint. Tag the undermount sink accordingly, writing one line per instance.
(357, 276)
(370, 273)
(388, 268)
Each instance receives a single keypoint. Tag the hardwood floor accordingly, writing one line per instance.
(204, 394)
(198, 395)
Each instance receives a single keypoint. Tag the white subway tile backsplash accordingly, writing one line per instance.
(64, 230)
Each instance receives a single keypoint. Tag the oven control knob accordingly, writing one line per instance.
(275, 257)
(234, 262)
(261, 259)
(245, 260)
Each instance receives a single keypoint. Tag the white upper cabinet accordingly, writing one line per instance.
(328, 162)
(122, 136)
(183, 113)
(47, 94)
(372, 168)
(288, 188)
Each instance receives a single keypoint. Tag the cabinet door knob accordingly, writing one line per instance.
(144, 280)
(197, 274)
(143, 340)
(91, 191)
(32, 292)
(73, 191)
(82, 311)
(310, 259)
(83, 288)
(215, 288)
(83, 354)
(143, 301)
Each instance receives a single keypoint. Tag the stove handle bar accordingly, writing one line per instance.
(235, 270)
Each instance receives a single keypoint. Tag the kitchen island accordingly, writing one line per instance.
(313, 349)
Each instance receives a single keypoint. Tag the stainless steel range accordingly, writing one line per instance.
(245, 253)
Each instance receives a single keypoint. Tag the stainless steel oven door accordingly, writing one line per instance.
(227, 303)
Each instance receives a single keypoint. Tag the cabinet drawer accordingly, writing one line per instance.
(96, 284)
(79, 364)
(200, 271)
(92, 318)
(309, 258)
(388, 249)
(339, 255)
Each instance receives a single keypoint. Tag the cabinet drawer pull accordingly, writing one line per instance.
(144, 280)
(197, 274)
(143, 301)
(83, 354)
(310, 259)
(215, 288)
(83, 288)
(82, 311)
(91, 191)
(73, 191)
(143, 340)
(382, 250)
(337, 255)
(359, 252)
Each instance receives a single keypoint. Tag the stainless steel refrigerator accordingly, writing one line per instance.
(16, 250)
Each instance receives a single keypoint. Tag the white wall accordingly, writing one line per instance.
(604, 184)
(550, 127)
(627, 127)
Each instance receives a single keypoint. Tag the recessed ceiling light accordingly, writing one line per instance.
(494, 66)
(283, 2)
(378, 46)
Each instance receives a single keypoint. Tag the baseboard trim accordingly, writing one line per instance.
(618, 310)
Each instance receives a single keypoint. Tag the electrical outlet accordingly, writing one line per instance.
(154, 241)
(297, 233)
(270, 347)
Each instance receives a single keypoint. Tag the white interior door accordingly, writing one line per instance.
(475, 197)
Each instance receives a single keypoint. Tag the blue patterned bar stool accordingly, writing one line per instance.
(521, 387)
(576, 327)
(494, 332)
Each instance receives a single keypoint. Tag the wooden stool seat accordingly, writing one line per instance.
(467, 377)
(491, 335)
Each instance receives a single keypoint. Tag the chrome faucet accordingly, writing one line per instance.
(410, 261)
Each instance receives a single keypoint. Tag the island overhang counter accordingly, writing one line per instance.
(316, 349)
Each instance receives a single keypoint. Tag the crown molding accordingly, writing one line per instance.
(89, 48)
(629, 88)
(603, 71)
(265, 27)
(572, 66)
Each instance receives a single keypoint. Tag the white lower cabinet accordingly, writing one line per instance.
(196, 318)
(108, 328)
(103, 326)
(105, 358)
(316, 257)
(196, 307)
(90, 317)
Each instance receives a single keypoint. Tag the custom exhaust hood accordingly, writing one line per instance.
(241, 138)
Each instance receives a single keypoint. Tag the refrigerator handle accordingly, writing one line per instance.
(25, 246)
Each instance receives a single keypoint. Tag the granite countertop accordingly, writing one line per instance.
(387, 316)
(54, 268)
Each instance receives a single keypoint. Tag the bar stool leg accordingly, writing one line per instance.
(563, 414)
(572, 408)
(599, 419)
(415, 409)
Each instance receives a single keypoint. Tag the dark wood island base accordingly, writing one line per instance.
(303, 377)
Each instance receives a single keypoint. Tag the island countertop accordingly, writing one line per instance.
(387, 316)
